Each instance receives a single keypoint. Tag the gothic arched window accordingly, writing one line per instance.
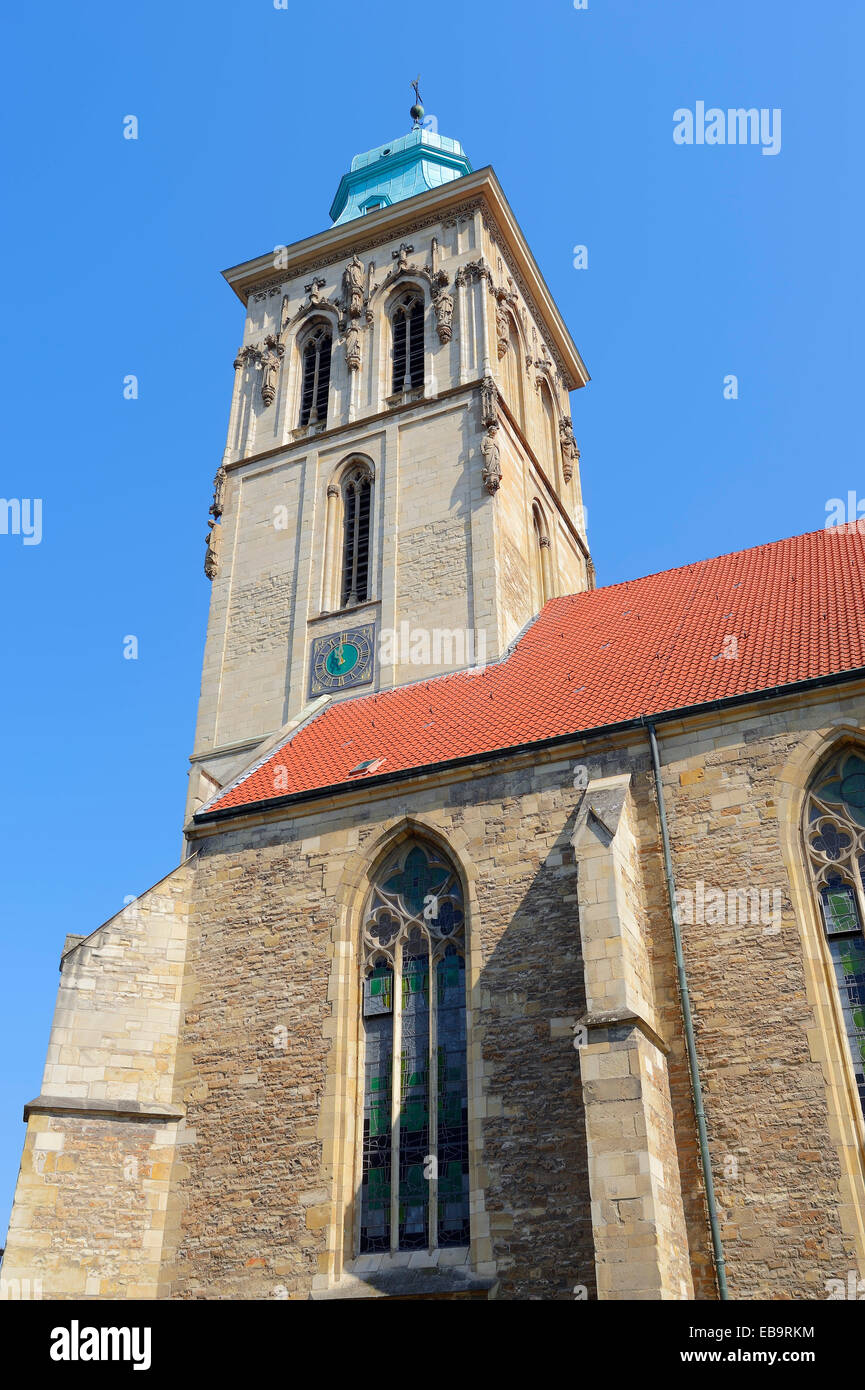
(551, 434)
(514, 375)
(835, 843)
(415, 1179)
(408, 354)
(542, 555)
(356, 500)
(315, 383)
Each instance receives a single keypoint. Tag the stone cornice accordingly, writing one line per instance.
(364, 422)
(125, 1110)
(604, 1019)
(462, 197)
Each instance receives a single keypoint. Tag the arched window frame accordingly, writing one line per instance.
(551, 453)
(315, 373)
(542, 554)
(413, 930)
(833, 830)
(347, 580)
(514, 373)
(407, 318)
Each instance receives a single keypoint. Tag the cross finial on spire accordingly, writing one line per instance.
(417, 111)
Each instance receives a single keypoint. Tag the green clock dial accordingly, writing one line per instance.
(341, 659)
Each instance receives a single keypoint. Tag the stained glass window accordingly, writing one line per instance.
(835, 839)
(415, 1180)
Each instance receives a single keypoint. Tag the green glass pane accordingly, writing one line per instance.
(840, 911)
(417, 880)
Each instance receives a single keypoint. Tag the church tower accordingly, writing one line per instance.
(400, 490)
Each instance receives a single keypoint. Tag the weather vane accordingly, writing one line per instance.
(417, 111)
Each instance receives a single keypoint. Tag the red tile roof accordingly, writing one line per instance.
(795, 609)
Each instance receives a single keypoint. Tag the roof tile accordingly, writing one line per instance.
(796, 609)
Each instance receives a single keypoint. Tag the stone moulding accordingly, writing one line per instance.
(463, 211)
(81, 1108)
(621, 1018)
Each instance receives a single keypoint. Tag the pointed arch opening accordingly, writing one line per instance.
(551, 436)
(514, 390)
(356, 512)
(542, 568)
(347, 564)
(414, 1188)
(407, 328)
(834, 840)
(315, 354)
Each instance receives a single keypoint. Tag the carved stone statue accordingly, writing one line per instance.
(401, 257)
(218, 493)
(489, 402)
(269, 359)
(503, 330)
(211, 559)
(492, 474)
(570, 452)
(352, 287)
(443, 304)
(352, 349)
(444, 311)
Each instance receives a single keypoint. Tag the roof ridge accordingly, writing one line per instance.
(708, 560)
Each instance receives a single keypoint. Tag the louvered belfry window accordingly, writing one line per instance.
(316, 377)
(408, 354)
(357, 496)
(835, 842)
(415, 1181)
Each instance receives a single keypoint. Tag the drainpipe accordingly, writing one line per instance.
(693, 1065)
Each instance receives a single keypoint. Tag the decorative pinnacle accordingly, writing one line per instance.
(417, 112)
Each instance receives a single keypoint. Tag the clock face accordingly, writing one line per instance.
(342, 660)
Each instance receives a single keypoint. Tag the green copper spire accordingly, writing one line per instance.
(411, 164)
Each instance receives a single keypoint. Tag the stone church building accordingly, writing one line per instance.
(517, 951)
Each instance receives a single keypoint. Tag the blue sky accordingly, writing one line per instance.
(703, 261)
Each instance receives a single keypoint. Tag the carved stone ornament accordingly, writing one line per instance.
(352, 288)
(214, 534)
(211, 559)
(492, 473)
(543, 366)
(477, 270)
(244, 355)
(218, 493)
(352, 349)
(269, 358)
(463, 212)
(489, 402)
(504, 298)
(570, 452)
(401, 257)
(443, 304)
